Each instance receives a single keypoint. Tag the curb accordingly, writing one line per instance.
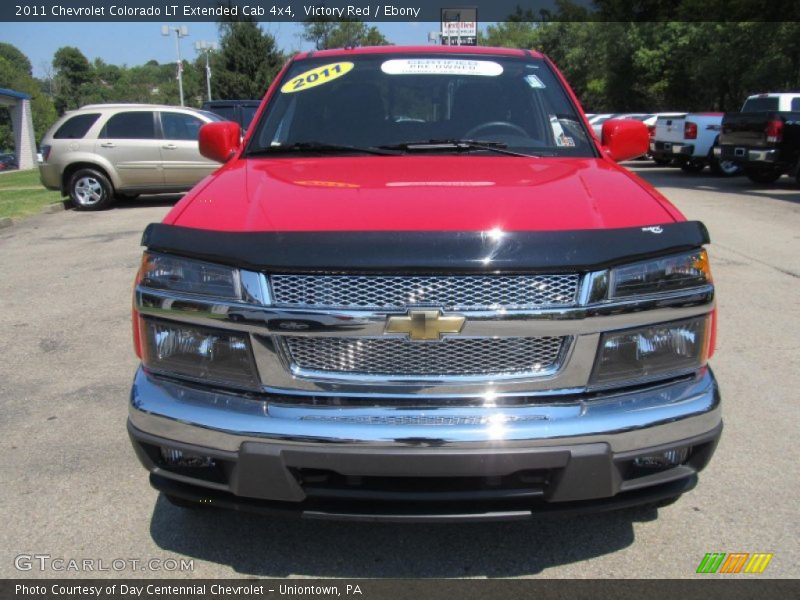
(53, 208)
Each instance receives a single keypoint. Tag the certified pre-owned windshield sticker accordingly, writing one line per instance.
(441, 66)
(317, 76)
(534, 81)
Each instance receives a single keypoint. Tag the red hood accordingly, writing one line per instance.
(421, 193)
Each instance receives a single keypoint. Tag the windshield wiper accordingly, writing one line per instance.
(320, 147)
(456, 145)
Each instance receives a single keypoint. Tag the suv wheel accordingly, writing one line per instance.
(90, 190)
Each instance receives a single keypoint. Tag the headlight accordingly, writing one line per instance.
(646, 353)
(200, 353)
(661, 275)
(165, 272)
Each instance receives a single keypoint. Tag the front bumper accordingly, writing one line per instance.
(423, 463)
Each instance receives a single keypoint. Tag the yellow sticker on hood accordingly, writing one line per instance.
(317, 76)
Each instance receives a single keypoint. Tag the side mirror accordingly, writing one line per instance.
(219, 141)
(624, 139)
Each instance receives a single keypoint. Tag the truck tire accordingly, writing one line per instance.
(692, 166)
(722, 168)
(763, 175)
(90, 189)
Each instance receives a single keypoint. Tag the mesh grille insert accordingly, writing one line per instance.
(450, 356)
(450, 292)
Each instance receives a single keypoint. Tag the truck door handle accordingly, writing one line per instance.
(107, 145)
(169, 146)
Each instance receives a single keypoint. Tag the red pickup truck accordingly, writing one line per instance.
(420, 288)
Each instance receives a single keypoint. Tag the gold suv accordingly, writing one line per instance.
(101, 152)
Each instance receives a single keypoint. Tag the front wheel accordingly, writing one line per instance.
(90, 189)
(691, 166)
(763, 175)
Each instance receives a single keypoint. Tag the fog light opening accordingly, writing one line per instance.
(663, 460)
(172, 457)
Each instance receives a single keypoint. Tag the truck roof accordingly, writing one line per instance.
(774, 94)
(485, 50)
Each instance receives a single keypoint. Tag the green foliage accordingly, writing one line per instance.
(22, 194)
(247, 62)
(326, 33)
(659, 66)
(15, 74)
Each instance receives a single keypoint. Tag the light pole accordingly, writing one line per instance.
(206, 48)
(180, 32)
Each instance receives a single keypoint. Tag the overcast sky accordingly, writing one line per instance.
(136, 43)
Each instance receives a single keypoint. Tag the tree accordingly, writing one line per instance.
(73, 74)
(16, 58)
(326, 33)
(247, 61)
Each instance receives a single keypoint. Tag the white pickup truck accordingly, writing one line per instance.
(688, 140)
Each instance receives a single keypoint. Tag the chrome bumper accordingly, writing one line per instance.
(746, 154)
(625, 421)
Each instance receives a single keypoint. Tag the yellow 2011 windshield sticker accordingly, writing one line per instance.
(317, 76)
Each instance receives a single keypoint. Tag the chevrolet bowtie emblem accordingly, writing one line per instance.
(425, 324)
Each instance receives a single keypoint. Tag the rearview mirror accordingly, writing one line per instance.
(219, 141)
(624, 139)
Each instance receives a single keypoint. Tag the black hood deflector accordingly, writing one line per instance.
(427, 251)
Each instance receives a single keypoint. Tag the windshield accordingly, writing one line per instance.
(390, 101)
(761, 104)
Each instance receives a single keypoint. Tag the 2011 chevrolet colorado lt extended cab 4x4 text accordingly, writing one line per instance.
(420, 288)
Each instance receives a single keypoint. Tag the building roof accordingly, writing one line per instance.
(14, 94)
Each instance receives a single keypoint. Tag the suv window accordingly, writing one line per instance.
(795, 105)
(130, 126)
(76, 127)
(180, 126)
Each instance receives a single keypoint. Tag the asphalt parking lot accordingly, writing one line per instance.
(74, 489)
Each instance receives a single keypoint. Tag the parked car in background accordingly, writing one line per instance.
(8, 162)
(650, 121)
(688, 140)
(103, 151)
(764, 138)
(238, 111)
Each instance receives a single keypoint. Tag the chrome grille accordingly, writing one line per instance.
(448, 357)
(450, 292)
